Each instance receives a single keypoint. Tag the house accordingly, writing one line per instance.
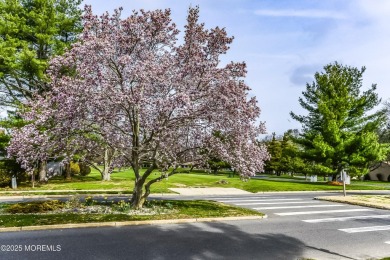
(54, 169)
(381, 173)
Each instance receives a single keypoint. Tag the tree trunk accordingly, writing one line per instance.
(33, 178)
(68, 174)
(139, 196)
(42, 172)
(106, 176)
(138, 199)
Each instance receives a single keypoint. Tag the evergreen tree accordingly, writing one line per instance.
(384, 134)
(338, 130)
(217, 164)
(290, 161)
(31, 32)
(274, 148)
(4, 140)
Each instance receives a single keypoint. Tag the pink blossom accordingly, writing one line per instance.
(129, 86)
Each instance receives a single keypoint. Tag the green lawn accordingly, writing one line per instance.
(123, 182)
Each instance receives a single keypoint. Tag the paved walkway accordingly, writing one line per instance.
(209, 191)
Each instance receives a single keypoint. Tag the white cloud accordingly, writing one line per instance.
(300, 13)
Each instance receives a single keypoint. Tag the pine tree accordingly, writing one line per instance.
(274, 148)
(31, 32)
(338, 130)
(290, 161)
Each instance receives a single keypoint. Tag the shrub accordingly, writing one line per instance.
(35, 207)
(381, 176)
(84, 169)
(73, 202)
(335, 183)
(8, 168)
(89, 201)
(222, 182)
(367, 177)
(5, 178)
(122, 206)
(74, 168)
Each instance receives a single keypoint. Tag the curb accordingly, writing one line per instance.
(128, 223)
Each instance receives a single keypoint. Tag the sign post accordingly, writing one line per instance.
(13, 182)
(343, 177)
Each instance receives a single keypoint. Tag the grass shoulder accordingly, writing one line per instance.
(372, 201)
(89, 211)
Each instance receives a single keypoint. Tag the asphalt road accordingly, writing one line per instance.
(297, 227)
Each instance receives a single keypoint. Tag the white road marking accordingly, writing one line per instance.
(319, 212)
(265, 200)
(302, 207)
(320, 220)
(365, 229)
(235, 198)
(387, 242)
(278, 202)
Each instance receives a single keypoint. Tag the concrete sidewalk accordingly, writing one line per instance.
(209, 191)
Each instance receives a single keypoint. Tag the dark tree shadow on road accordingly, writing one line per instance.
(330, 252)
(212, 240)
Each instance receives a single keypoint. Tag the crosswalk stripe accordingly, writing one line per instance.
(365, 229)
(265, 200)
(235, 198)
(344, 218)
(270, 203)
(301, 207)
(240, 196)
(387, 242)
(319, 212)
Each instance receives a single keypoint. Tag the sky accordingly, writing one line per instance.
(285, 42)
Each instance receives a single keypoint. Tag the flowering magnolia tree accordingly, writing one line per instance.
(130, 86)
